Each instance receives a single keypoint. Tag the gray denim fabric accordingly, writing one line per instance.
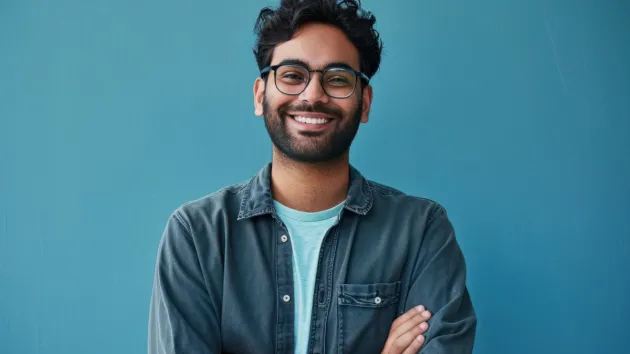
(224, 282)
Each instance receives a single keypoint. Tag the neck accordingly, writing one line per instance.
(309, 187)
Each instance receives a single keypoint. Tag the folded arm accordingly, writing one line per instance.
(439, 283)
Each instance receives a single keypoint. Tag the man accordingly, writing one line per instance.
(308, 256)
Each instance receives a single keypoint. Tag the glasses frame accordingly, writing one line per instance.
(274, 68)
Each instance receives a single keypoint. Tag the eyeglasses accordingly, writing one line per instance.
(337, 82)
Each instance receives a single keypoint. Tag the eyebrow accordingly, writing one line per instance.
(336, 64)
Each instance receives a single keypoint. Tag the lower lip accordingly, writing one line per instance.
(310, 127)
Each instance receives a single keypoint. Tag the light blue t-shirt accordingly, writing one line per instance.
(307, 231)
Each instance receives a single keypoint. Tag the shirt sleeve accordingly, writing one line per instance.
(439, 283)
(183, 316)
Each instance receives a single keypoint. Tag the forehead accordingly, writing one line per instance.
(318, 45)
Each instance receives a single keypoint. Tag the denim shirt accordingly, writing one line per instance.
(224, 282)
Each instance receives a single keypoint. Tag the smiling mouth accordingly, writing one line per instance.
(310, 120)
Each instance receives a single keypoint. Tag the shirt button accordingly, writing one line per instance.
(284, 238)
(377, 300)
(286, 298)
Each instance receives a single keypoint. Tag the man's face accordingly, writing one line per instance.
(313, 127)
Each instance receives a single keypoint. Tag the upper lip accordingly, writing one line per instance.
(311, 115)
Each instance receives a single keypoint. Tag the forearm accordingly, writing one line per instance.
(439, 283)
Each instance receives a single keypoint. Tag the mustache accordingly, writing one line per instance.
(317, 107)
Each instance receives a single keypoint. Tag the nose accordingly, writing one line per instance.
(314, 92)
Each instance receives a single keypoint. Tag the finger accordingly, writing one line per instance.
(424, 326)
(415, 345)
(403, 342)
(402, 324)
(415, 321)
(406, 316)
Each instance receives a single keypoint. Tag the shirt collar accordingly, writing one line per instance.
(257, 198)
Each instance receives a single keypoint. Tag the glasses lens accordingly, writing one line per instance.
(291, 79)
(339, 82)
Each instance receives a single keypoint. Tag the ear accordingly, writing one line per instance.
(367, 103)
(259, 95)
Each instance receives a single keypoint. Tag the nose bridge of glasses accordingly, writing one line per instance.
(320, 81)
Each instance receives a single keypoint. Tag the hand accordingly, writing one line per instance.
(406, 335)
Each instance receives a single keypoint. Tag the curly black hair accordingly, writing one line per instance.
(274, 27)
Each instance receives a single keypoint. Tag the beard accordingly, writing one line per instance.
(312, 147)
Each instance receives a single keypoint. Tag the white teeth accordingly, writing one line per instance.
(308, 120)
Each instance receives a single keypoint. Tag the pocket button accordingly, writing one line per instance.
(377, 300)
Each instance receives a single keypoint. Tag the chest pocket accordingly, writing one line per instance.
(366, 313)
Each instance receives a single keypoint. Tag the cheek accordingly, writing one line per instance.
(274, 101)
(349, 106)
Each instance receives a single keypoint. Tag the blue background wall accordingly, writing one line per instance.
(513, 114)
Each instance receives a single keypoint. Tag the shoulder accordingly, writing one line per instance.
(221, 204)
(394, 199)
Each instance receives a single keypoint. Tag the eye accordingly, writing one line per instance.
(338, 80)
(292, 77)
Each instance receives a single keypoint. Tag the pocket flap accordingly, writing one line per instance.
(369, 295)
